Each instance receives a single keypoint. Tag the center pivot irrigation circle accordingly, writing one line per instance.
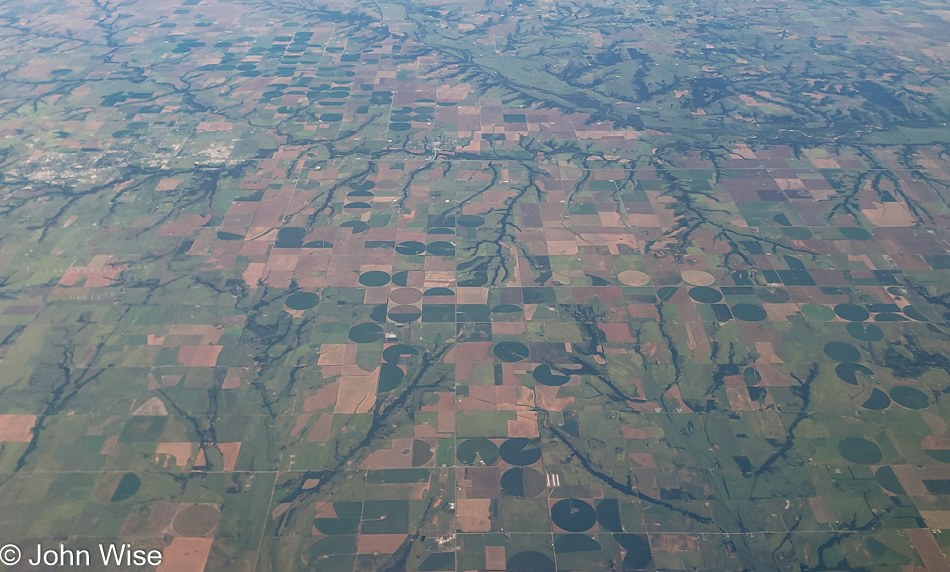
(510, 351)
(860, 451)
(573, 515)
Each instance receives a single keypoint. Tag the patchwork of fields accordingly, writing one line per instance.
(531, 285)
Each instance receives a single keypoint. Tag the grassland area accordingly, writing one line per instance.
(524, 285)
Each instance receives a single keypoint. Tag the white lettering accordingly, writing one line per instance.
(61, 557)
(113, 554)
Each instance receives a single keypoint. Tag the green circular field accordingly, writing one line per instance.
(358, 226)
(860, 451)
(608, 515)
(358, 194)
(410, 247)
(865, 333)
(470, 221)
(842, 351)
(570, 543)
(573, 515)
(438, 291)
(390, 376)
(852, 312)
(530, 561)
(128, 485)
(638, 550)
(773, 296)
(440, 248)
(889, 317)
(818, 313)
(291, 234)
(749, 312)
(366, 333)
(878, 401)
(510, 351)
(480, 448)
(302, 300)
(914, 314)
(939, 455)
(394, 352)
(888, 480)
(705, 294)
(374, 278)
(543, 375)
(362, 185)
(520, 451)
(910, 397)
(522, 482)
(847, 372)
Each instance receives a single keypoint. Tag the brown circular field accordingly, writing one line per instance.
(698, 278)
(667, 278)
(404, 314)
(633, 278)
(405, 295)
(196, 520)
